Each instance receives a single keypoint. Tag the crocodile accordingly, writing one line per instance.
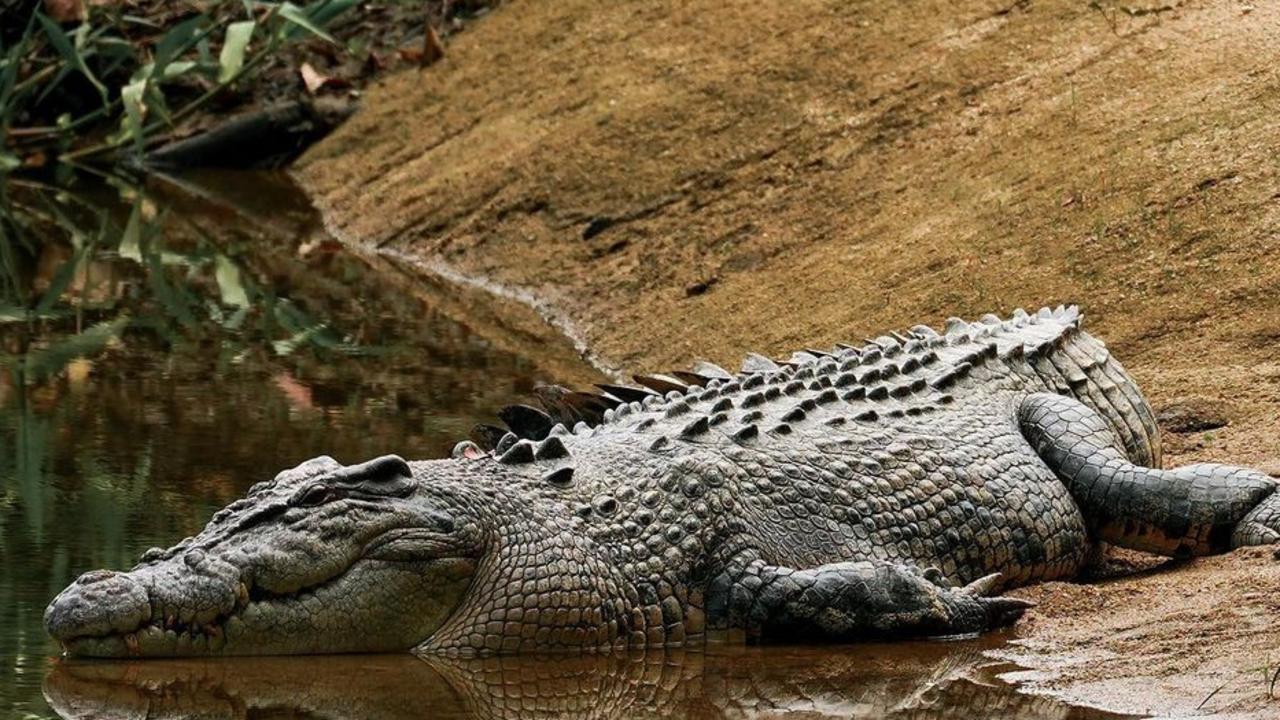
(887, 490)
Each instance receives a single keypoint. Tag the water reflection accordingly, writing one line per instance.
(874, 681)
(162, 349)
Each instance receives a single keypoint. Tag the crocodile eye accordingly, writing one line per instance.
(316, 495)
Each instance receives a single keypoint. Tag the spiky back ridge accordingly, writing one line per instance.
(892, 376)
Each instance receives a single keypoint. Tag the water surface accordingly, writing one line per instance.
(906, 680)
(164, 348)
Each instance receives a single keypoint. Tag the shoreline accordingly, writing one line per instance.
(1182, 641)
(545, 309)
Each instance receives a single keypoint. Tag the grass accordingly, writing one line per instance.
(1270, 677)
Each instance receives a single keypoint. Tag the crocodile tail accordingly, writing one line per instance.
(1072, 362)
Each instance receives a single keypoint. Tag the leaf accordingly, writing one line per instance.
(140, 20)
(175, 300)
(312, 79)
(131, 239)
(176, 69)
(53, 84)
(52, 359)
(9, 162)
(13, 314)
(305, 330)
(202, 51)
(58, 285)
(432, 48)
(177, 40)
(68, 51)
(230, 284)
(155, 104)
(134, 108)
(298, 16)
(236, 319)
(322, 12)
(231, 59)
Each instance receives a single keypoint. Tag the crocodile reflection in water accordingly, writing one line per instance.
(905, 681)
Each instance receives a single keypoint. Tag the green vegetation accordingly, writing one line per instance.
(110, 78)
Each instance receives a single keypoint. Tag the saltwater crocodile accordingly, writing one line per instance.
(884, 491)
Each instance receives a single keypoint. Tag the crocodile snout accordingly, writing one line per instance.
(98, 603)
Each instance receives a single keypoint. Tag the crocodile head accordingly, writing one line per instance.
(322, 559)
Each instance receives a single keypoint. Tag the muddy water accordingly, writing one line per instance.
(164, 348)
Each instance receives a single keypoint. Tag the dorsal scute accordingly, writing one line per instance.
(908, 372)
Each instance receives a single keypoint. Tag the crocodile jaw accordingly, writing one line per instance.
(322, 559)
(376, 605)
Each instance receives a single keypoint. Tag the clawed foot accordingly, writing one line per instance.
(976, 609)
(873, 599)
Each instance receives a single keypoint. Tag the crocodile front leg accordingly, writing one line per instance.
(852, 601)
(1196, 509)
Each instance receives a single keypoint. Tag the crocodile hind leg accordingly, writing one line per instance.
(852, 601)
(1196, 509)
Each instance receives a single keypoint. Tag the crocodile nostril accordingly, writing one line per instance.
(99, 603)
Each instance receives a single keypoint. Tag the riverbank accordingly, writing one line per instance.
(1180, 641)
(709, 179)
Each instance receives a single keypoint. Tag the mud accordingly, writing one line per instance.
(1172, 640)
(703, 179)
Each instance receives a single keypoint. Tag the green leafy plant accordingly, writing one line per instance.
(135, 77)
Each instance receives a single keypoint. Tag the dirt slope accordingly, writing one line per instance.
(701, 179)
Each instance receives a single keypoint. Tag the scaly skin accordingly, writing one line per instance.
(885, 491)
